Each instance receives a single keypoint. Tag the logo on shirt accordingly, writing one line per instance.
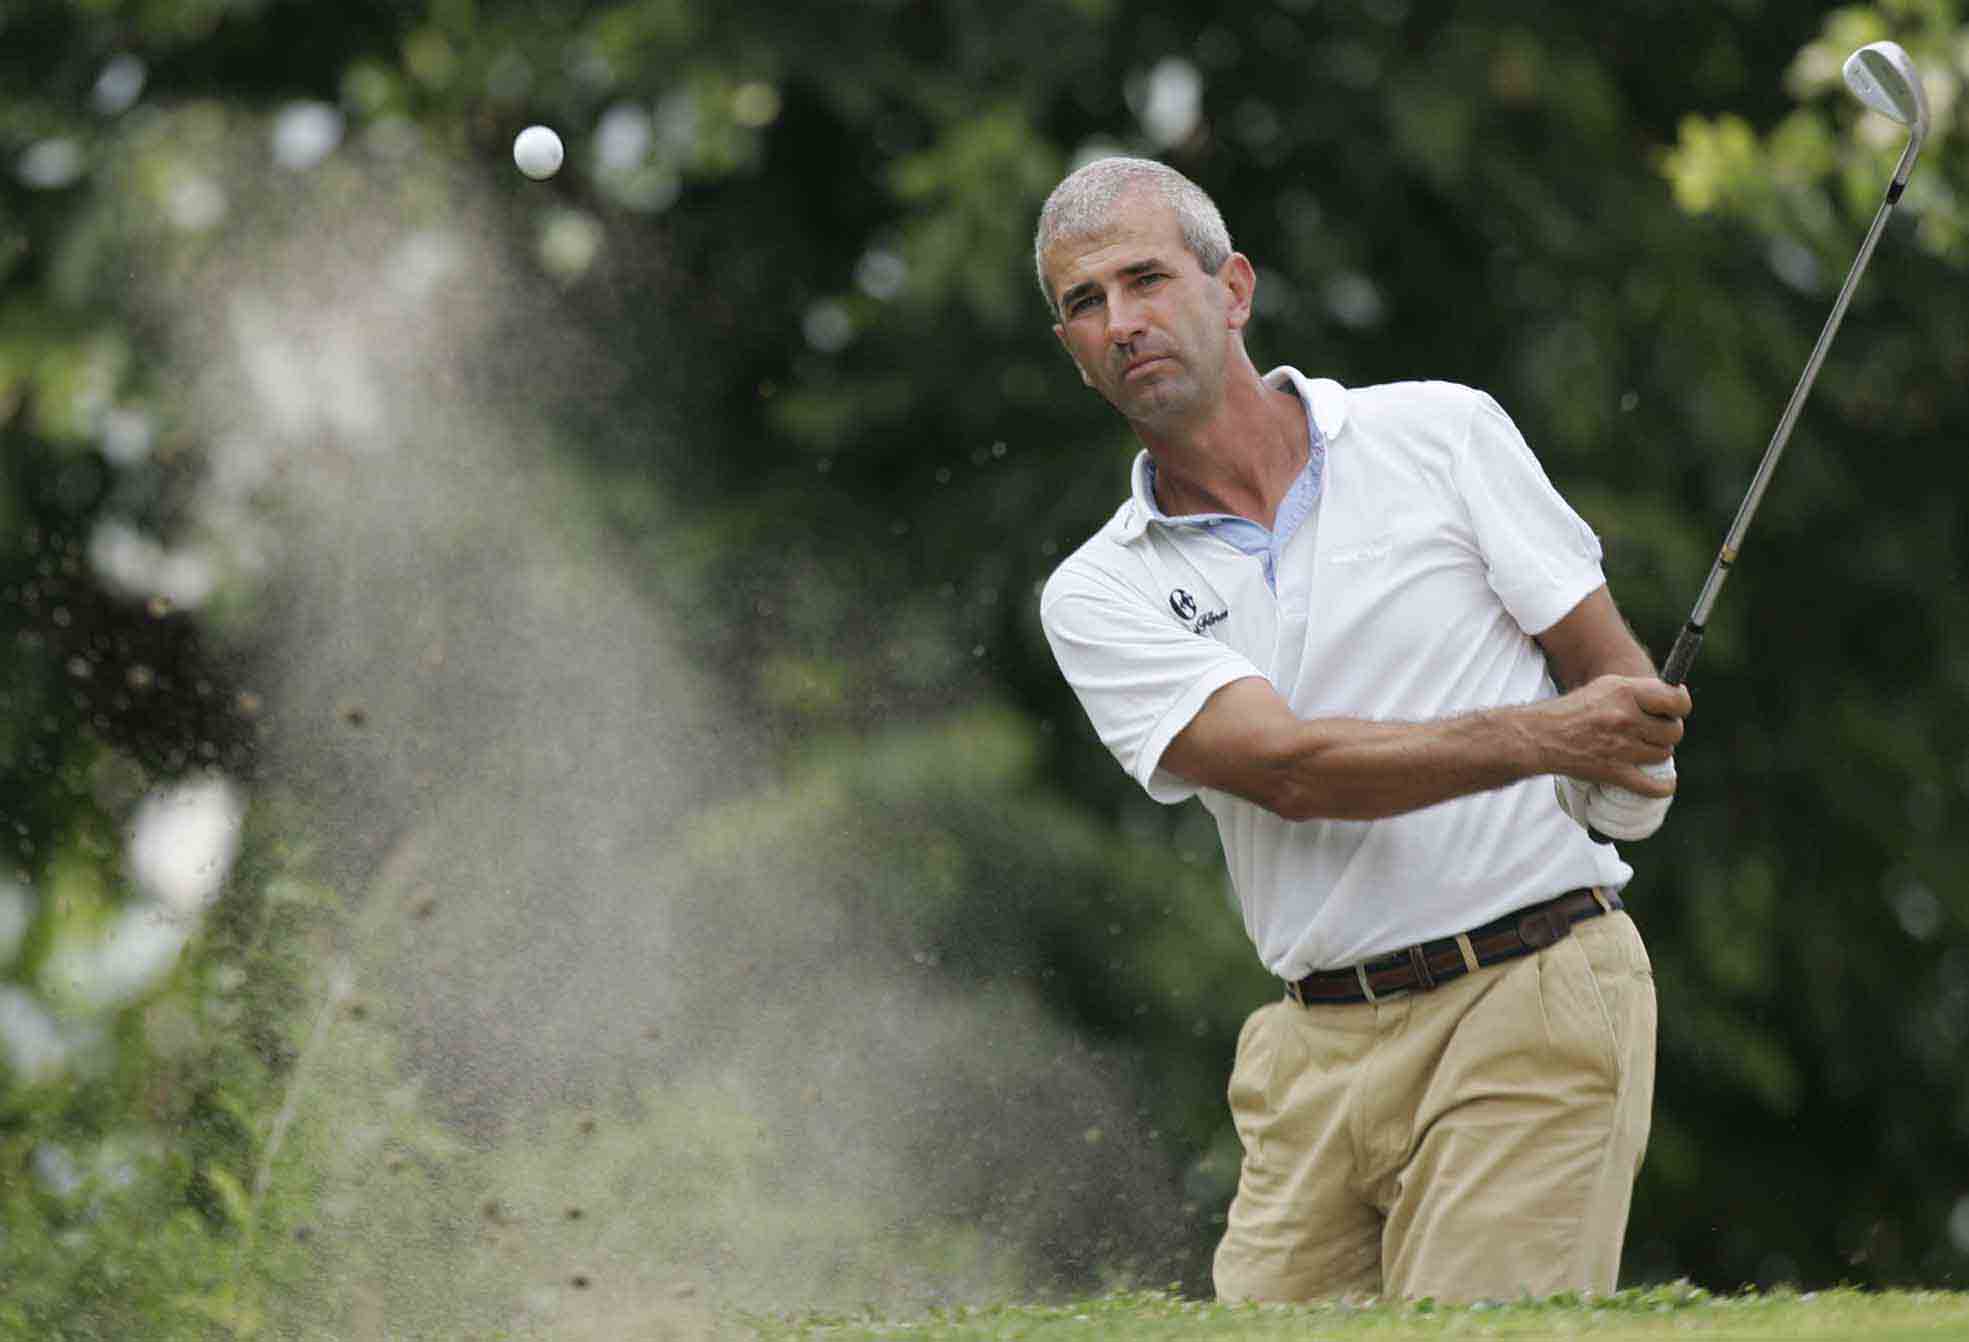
(1184, 605)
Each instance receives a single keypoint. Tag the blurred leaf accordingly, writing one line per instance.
(232, 1194)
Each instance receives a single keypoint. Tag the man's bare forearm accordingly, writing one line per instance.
(1348, 769)
(1247, 742)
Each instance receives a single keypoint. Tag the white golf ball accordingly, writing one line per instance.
(537, 150)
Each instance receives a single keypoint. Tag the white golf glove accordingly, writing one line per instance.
(1615, 811)
(1573, 797)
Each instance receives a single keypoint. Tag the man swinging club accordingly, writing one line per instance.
(1366, 631)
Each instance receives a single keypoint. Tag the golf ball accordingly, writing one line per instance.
(537, 150)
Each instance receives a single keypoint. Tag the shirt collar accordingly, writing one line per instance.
(1326, 402)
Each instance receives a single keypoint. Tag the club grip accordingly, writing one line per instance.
(1680, 657)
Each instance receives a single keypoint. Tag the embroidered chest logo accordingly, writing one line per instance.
(1184, 605)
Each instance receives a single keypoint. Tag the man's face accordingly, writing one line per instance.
(1146, 327)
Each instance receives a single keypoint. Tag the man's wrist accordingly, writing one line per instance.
(1523, 745)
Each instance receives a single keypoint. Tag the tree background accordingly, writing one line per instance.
(609, 604)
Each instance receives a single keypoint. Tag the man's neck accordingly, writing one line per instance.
(1240, 459)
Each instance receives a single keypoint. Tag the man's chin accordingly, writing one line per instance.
(1156, 401)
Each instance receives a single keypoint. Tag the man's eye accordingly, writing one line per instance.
(1081, 304)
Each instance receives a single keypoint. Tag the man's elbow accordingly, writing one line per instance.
(1290, 799)
(1269, 789)
(1279, 766)
(1290, 795)
(1300, 808)
(1270, 774)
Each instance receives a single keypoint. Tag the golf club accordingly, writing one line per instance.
(1883, 77)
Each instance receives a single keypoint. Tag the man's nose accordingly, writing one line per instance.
(1126, 320)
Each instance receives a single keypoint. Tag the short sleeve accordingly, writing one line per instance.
(1541, 557)
(1140, 676)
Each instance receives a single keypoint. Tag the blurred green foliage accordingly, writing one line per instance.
(847, 453)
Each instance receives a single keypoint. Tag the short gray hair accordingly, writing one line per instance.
(1079, 206)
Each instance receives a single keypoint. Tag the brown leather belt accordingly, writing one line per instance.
(1433, 963)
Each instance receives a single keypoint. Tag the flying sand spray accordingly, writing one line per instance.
(545, 1090)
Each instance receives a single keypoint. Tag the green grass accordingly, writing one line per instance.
(1678, 1311)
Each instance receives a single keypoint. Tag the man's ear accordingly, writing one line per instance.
(1242, 282)
(1060, 334)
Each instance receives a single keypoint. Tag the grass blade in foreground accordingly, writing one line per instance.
(1678, 1311)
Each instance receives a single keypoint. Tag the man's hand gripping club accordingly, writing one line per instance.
(1622, 809)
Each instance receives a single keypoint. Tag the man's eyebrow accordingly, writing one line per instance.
(1129, 271)
(1084, 287)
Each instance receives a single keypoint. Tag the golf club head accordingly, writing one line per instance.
(1882, 76)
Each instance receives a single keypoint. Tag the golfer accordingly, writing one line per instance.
(1363, 628)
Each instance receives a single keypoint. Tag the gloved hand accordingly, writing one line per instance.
(1574, 795)
(1620, 814)
(1615, 811)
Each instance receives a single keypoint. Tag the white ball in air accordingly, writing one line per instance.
(537, 150)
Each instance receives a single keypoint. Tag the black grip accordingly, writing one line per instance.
(1680, 657)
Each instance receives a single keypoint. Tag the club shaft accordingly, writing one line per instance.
(1690, 639)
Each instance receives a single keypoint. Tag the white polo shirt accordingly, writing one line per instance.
(1437, 549)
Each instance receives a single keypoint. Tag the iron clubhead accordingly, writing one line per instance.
(1882, 76)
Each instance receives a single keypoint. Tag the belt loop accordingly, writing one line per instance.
(1360, 972)
(1469, 952)
(1600, 898)
(1420, 963)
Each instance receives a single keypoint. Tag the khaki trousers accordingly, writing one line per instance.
(1475, 1142)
